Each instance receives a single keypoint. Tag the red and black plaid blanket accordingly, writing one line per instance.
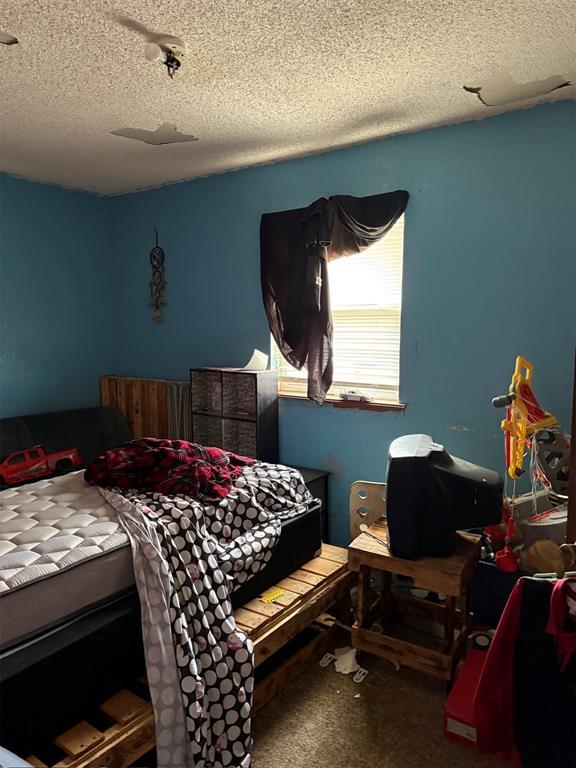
(170, 467)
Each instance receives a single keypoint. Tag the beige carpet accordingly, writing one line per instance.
(397, 722)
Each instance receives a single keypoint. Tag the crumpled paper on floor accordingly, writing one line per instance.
(346, 660)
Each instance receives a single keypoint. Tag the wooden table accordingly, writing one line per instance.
(446, 575)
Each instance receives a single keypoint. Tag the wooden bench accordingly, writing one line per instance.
(301, 598)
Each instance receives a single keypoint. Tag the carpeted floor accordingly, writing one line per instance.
(396, 722)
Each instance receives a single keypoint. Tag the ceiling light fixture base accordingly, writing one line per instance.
(167, 49)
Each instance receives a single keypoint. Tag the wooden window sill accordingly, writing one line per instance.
(353, 404)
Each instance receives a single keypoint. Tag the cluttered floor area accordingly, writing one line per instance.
(324, 719)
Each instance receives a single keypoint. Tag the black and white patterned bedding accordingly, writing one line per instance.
(188, 558)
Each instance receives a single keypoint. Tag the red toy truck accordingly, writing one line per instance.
(33, 463)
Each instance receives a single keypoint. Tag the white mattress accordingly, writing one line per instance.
(62, 548)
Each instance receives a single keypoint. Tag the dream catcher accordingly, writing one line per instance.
(158, 282)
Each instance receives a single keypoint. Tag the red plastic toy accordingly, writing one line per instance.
(33, 463)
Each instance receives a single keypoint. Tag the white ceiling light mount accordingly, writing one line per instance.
(167, 50)
(160, 47)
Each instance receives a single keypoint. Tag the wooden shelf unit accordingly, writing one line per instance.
(236, 410)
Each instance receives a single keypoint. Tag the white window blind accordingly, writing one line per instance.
(366, 297)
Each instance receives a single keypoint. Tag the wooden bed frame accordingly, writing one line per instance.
(306, 594)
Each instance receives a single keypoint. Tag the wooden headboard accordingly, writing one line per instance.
(152, 407)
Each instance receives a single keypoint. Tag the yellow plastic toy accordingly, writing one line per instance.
(524, 416)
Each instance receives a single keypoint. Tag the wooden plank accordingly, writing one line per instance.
(136, 407)
(79, 739)
(247, 619)
(419, 608)
(104, 392)
(112, 384)
(363, 586)
(124, 706)
(121, 396)
(301, 587)
(273, 683)
(278, 633)
(468, 545)
(152, 399)
(129, 415)
(336, 554)
(265, 609)
(36, 762)
(162, 409)
(322, 567)
(287, 598)
(144, 386)
(403, 652)
(307, 577)
(142, 402)
(440, 574)
(424, 578)
(122, 746)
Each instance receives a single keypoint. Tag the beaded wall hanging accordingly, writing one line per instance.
(158, 282)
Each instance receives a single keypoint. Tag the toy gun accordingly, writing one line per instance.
(524, 416)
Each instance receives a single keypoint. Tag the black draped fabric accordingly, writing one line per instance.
(295, 248)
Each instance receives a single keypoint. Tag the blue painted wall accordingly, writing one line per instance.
(490, 238)
(489, 272)
(55, 283)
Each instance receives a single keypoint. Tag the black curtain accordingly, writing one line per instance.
(295, 248)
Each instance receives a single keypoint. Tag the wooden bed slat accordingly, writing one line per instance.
(287, 598)
(290, 622)
(124, 706)
(265, 609)
(336, 554)
(307, 577)
(79, 739)
(36, 762)
(321, 567)
(300, 587)
(247, 619)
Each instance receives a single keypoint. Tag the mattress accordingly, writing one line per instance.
(63, 550)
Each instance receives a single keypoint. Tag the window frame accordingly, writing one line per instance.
(386, 398)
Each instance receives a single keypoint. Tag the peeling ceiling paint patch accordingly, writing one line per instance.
(166, 133)
(7, 39)
(502, 89)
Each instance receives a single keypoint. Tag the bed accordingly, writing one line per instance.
(70, 630)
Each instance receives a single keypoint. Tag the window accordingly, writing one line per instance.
(366, 297)
(18, 458)
(33, 455)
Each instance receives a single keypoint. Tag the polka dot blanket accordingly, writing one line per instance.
(188, 557)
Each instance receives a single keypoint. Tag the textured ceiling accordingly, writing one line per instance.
(263, 80)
